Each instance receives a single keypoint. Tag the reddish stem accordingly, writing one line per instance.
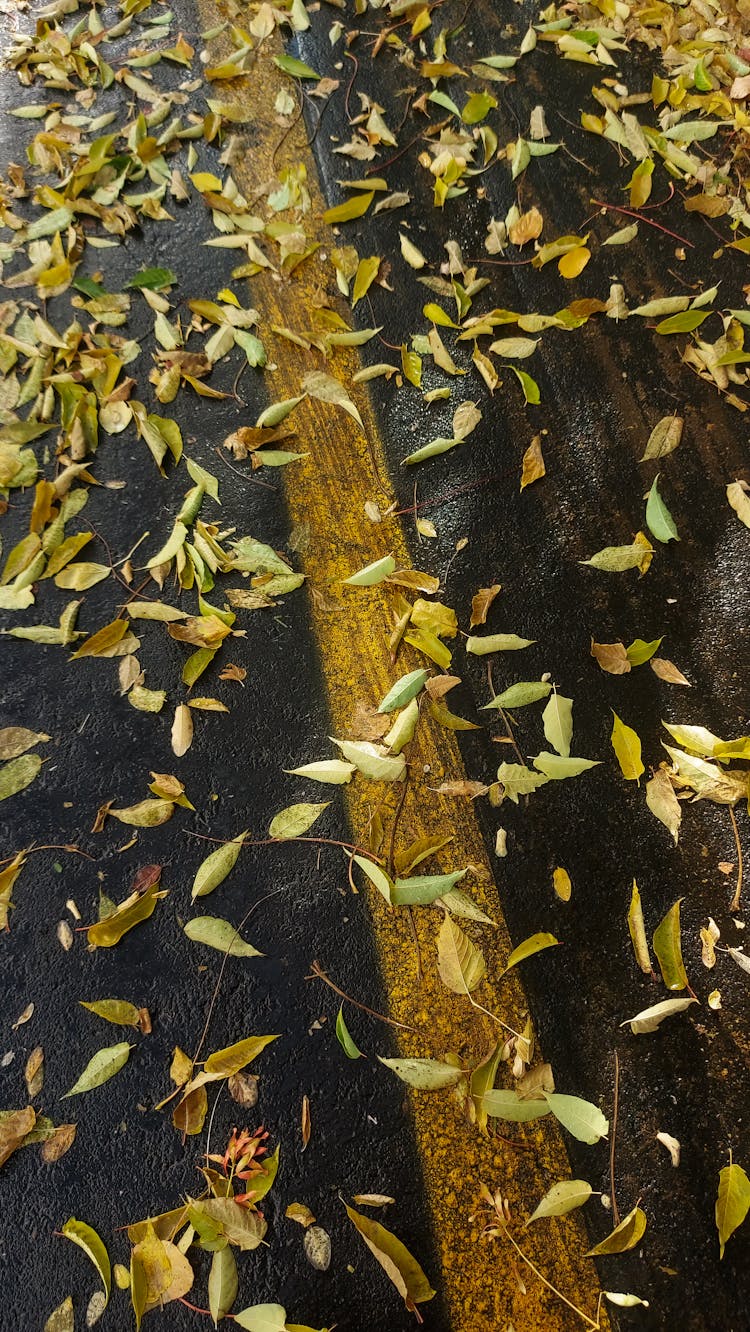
(632, 212)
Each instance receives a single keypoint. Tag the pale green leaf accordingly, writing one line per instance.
(502, 1104)
(584, 1120)
(480, 646)
(19, 773)
(424, 888)
(659, 520)
(424, 1074)
(372, 573)
(372, 761)
(295, 820)
(334, 771)
(215, 868)
(220, 934)
(222, 1279)
(101, 1067)
(558, 723)
(460, 963)
(650, 1018)
(404, 690)
(521, 694)
(561, 1199)
(556, 768)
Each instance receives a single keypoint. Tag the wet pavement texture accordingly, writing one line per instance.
(603, 387)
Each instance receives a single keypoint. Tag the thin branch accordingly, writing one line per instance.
(632, 212)
(317, 972)
(734, 905)
(613, 1139)
(284, 841)
(540, 1275)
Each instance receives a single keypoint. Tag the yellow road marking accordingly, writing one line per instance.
(328, 491)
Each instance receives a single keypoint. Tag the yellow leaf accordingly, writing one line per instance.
(533, 466)
(574, 262)
(627, 746)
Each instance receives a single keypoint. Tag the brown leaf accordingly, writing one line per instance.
(666, 670)
(481, 602)
(528, 227)
(34, 1072)
(61, 1142)
(612, 657)
(306, 1124)
(14, 1129)
(243, 1088)
(232, 672)
(533, 467)
(438, 685)
(301, 1213)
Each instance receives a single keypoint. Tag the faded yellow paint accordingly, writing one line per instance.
(484, 1286)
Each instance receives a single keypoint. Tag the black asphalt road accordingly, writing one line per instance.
(603, 387)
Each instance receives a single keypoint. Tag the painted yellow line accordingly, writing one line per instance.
(484, 1287)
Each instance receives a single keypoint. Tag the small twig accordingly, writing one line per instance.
(350, 84)
(613, 1139)
(734, 905)
(632, 212)
(251, 480)
(284, 841)
(380, 166)
(506, 723)
(51, 846)
(541, 1277)
(317, 972)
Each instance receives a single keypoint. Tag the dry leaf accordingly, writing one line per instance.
(480, 605)
(533, 466)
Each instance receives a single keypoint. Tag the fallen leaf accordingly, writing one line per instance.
(398, 1264)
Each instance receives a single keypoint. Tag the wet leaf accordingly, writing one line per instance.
(317, 1246)
(215, 868)
(534, 944)
(623, 1237)
(19, 773)
(668, 949)
(557, 718)
(118, 1011)
(87, 1239)
(344, 1037)
(295, 820)
(335, 771)
(584, 1120)
(219, 934)
(561, 1199)
(13, 1130)
(460, 963)
(222, 1279)
(659, 520)
(521, 694)
(627, 746)
(739, 500)
(496, 643)
(732, 1203)
(650, 1018)
(16, 740)
(101, 1067)
(663, 803)
(297, 68)
(424, 888)
(398, 1264)
(62, 1319)
(664, 438)
(404, 690)
(637, 928)
(424, 1074)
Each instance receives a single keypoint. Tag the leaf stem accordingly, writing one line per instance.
(540, 1275)
(734, 905)
(632, 212)
(317, 972)
(615, 1212)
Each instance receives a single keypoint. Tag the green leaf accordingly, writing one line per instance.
(344, 1038)
(639, 652)
(668, 949)
(520, 694)
(616, 559)
(534, 944)
(297, 68)
(637, 928)
(424, 888)
(295, 820)
(117, 1011)
(480, 646)
(627, 746)
(650, 1018)
(335, 771)
(477, 107)
(659, 520)
(502, 1104)
(376, 875)
(623, 1237)
(556, 768)
(87, 1239)
(404, 690)
(215, 868)
(154, 279)
(686, 322)
(518, 780)
(584, 1120)
(399, 1265)
(219, 934)
(18, 774)
(424, 1074)
(732, 1203)
(372, 573)
(558, 723)
(561, 1199)
(100, 1068)
(530, 387)
(222, 1281)
(372, 761)
(262, 1318)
